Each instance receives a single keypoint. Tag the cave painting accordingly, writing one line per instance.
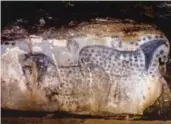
(92, 78)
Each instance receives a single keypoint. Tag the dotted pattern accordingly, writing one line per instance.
(127, 69)
(124, 62)
(111, 60)
(103, 78)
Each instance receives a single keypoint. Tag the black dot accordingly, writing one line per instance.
(115, 95)
(126, 62)
(156, 36)
(149, 37)
(106, 51)
(89, 55)
(153, 75)
(161, 51)
(141, 65)
(161, 36)
(89, 80)
(101, 59)
(6, 43)
(164, 57)
(135, 57)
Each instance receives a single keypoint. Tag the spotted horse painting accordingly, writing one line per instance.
(98, 69)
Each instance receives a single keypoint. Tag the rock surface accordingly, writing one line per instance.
(44, 71)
